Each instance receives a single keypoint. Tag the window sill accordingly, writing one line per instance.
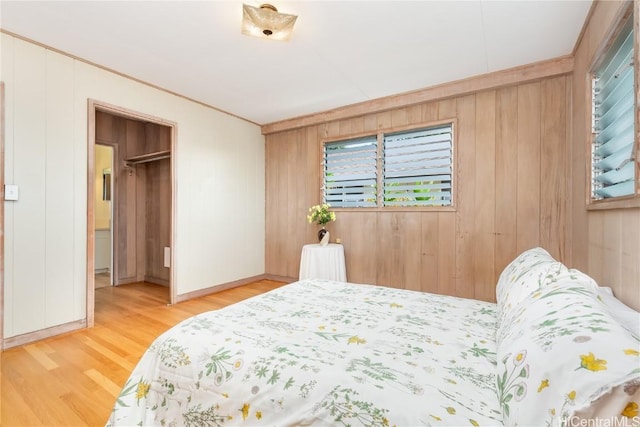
(621, 203)
(399, 209)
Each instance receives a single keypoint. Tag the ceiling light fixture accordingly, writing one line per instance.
(266, 22)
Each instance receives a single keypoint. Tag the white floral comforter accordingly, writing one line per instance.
(322, 353)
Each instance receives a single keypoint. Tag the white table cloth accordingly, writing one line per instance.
(323, 262)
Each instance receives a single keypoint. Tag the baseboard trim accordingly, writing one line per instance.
(219, 288)
(41, 334)
(277, 278)
(156, 280)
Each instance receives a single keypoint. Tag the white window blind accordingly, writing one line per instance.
(418, 167)
(613, 170)
(350, 173)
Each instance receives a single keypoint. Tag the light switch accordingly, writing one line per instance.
(10, 192)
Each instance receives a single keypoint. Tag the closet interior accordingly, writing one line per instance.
(141, 197)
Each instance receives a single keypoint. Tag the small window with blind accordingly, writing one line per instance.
(350, 173)
(613, 118)
(417, 167)
(412, 168)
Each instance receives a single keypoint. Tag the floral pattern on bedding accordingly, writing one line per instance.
(559, 348)
(322, 353)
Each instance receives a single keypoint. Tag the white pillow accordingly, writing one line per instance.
(522, 276)
(625, 315)
(562, 355)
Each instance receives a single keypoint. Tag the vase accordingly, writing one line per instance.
(323, 236)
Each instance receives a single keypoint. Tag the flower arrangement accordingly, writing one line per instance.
(321, 214)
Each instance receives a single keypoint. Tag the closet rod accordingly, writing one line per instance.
(150, 157)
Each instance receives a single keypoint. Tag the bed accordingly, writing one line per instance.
(554, 349)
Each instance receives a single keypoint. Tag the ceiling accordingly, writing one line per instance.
(341, 52)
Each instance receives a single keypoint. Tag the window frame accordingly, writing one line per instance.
(631, 200)
(379, 134)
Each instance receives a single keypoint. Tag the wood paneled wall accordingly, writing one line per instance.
(512, 193)
(157, 220)
(605, 243)
(142, 197)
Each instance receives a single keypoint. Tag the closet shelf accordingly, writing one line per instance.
(149, 157)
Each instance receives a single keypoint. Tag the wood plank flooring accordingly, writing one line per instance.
(73, 379)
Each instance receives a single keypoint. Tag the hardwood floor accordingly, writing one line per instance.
(74, 379)
(102, 280)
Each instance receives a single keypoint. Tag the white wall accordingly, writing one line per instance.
(219, 230)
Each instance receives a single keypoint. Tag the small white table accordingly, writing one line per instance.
(323, 262)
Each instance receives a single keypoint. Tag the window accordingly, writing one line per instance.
(350, 173)
(613, 167)
(417, 167)
(409, 169)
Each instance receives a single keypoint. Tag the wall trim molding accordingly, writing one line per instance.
(121, 74)
(512, 76)
(277, 278)
(219, 288)
(41, 334)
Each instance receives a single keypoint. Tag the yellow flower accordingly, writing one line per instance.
(320, 214)
(143, 390)
(631, 410)
(321, 327)
(395, 305)
(632, 352)
(451, 410)
(572, 395)
(544, 384)
(474, 423)
(225, 395)
(519, 358)
(245, 411)
(591, 363)
(259, 415)
(435, 418)
(356, 340)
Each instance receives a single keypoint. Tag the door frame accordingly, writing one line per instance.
(93, 106)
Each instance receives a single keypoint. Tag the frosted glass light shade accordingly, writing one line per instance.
(266, 22)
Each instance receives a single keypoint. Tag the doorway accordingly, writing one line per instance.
(103, 259)
(138, 190)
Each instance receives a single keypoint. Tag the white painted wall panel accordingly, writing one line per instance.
(216, 206)
(6, 74)
(219, 166)
(82, 85)
(29, 158)
(59, 190)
